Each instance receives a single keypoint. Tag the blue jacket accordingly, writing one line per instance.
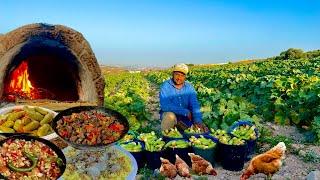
(179, 101)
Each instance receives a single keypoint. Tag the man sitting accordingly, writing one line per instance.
(178, 101)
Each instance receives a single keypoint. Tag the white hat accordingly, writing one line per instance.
(181, 67)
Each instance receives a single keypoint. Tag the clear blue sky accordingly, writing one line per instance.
(150, 32)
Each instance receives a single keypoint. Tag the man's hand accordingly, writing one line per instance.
(203, 127)
(190, 116)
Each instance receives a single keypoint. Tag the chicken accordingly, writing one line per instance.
(167, 169)
(201, 166)
(182, 167)
(267, 163)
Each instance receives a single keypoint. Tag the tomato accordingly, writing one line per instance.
(64, 133)
(88, 127)
(116, 127)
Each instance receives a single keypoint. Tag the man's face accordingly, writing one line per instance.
(178, 77)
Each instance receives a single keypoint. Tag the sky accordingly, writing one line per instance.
(162, 33)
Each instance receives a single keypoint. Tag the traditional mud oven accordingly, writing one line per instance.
(49, 65)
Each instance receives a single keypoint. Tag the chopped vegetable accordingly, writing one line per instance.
(90, 128)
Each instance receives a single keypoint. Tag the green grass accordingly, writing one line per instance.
(148, 174)
(267, 137)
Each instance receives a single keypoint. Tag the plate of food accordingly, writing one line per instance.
(110, 163)
(23, 156)
(90, 126)
(31, 120)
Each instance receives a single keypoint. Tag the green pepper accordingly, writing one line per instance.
(34, 160)
(60, 162)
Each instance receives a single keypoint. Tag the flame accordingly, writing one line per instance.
(19, 80)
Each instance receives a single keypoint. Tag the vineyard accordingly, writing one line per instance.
(285, 93)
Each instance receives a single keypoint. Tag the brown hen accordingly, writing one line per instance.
(182, 167)
(167, 169)
(201, 166)
(267, 163)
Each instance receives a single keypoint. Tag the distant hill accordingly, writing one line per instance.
(112, 69)
(294, 53)
(107, 68)
(290, 54)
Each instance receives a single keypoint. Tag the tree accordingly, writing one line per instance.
(291, 53)
(313, 54)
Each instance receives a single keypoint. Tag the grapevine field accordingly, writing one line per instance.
(277, 95)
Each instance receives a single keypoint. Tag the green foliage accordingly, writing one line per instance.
(311, 156)
(284, 92)
(280, 90)
(292, 53)
(158, 77)
(128, 93)
(201, 178)
(276, 139)
(264, 132)
(148, 174)
(313, 54)
(315, 126)
(221, 110)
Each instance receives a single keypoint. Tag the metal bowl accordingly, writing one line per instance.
(120, 118)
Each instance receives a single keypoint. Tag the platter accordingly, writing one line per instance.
(133, 163)
(50, 136)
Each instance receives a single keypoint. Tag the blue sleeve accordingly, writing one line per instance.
(195, 106)
(167, 106)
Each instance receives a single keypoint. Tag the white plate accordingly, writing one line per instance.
(47, 137)
(134, 171)
(134, 164)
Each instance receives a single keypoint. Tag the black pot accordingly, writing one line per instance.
(250, 149)
(208, 154)
(233, 156)
(251, 143)
(139, 156)
(153, 159)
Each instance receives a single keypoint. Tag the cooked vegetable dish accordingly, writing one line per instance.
(21, 159)
(27, 120)
(90, 128)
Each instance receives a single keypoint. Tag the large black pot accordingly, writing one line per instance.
(233, 156)
(153, 159)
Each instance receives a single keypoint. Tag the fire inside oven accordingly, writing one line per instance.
(42, 73)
